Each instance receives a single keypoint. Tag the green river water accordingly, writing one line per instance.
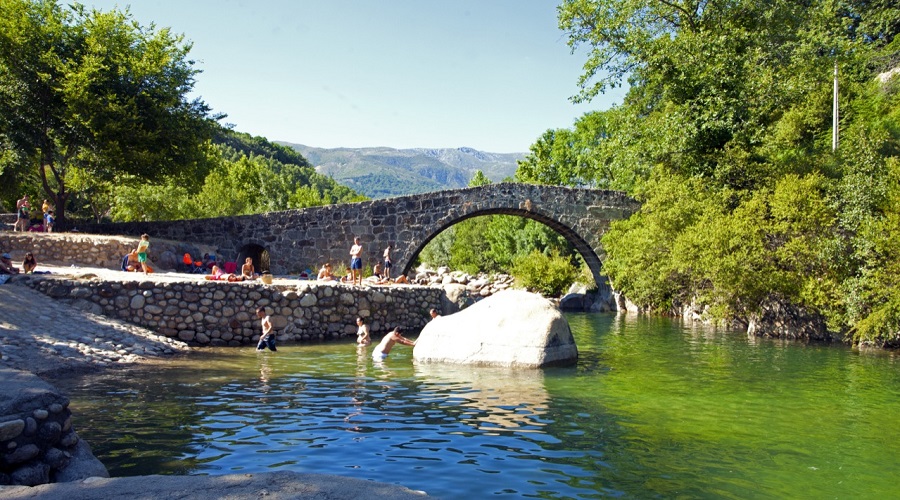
(654, 408)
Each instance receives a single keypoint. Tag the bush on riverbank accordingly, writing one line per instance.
(548, 275)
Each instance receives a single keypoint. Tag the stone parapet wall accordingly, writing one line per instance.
(7, 221)
(93, 250)
(211, 313)
(38, 444)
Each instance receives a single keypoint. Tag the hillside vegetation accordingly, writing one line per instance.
(385, 172)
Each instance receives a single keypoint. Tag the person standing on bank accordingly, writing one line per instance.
(22, 217)
(386, 274)
(356, 261)
(267, 339)
(141, 250)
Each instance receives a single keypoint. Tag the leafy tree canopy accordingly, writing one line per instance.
(98, 93)
(725, 135)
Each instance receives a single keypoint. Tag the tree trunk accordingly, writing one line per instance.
(60, 196)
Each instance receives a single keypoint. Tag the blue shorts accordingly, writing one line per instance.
(387, 264)
(378, 355)
(356, 263)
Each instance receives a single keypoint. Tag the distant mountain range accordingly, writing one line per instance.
(386, 172)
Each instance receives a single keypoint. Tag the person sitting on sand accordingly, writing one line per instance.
(377, 278)
(384, 347)
(6, 266)
(325, 273)
(29, 263)
(247, 270)
(130, 262)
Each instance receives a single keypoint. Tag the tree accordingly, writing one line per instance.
(95, 91)
(724, 135)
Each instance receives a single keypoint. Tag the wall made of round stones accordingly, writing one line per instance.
(210, 313)
(37, 440)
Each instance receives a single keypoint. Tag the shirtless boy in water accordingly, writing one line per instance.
(267, 339)
(384, 347)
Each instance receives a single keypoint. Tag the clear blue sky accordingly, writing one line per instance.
(487, 74)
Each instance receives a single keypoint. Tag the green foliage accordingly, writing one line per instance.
(479, 179)
(96, 91)
(437, 252)
(135, 201)
(549, 275)
(724, 134)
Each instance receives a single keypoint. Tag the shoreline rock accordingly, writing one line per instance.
(38, 442)
(514, 329)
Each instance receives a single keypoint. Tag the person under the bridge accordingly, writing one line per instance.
(247, 270)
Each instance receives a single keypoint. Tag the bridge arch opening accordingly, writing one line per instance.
(577, 243)
(259, 254)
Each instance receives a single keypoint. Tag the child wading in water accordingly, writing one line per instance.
(267, 339)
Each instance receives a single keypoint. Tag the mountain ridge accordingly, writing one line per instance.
(381, 172)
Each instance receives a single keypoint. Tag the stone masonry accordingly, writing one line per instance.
(37, 441)
(305, 239)
(215, 313)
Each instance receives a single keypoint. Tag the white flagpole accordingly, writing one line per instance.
(834, 112)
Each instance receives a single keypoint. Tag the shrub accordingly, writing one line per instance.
(549, 275)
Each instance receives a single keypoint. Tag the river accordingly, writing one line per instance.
(654, 408)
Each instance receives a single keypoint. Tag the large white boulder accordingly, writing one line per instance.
(510, 329)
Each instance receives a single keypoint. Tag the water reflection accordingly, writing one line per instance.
(501, 399)
(265, 370)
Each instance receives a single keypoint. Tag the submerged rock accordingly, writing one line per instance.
(511, 329)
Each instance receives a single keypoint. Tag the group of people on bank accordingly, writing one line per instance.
(7, 266)
(23, 217)
(381, 273)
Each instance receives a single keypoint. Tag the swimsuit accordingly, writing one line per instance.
(142, 251)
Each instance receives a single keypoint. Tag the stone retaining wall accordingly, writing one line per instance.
(211, 313)
(93, 250)
(7, 221)
(37, 441)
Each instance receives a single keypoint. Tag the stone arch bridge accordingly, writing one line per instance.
(294, 240)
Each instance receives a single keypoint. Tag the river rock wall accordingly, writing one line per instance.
(38, 443)
(93, 250)
(212, 313)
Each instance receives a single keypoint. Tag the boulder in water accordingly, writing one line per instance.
(510, 329)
